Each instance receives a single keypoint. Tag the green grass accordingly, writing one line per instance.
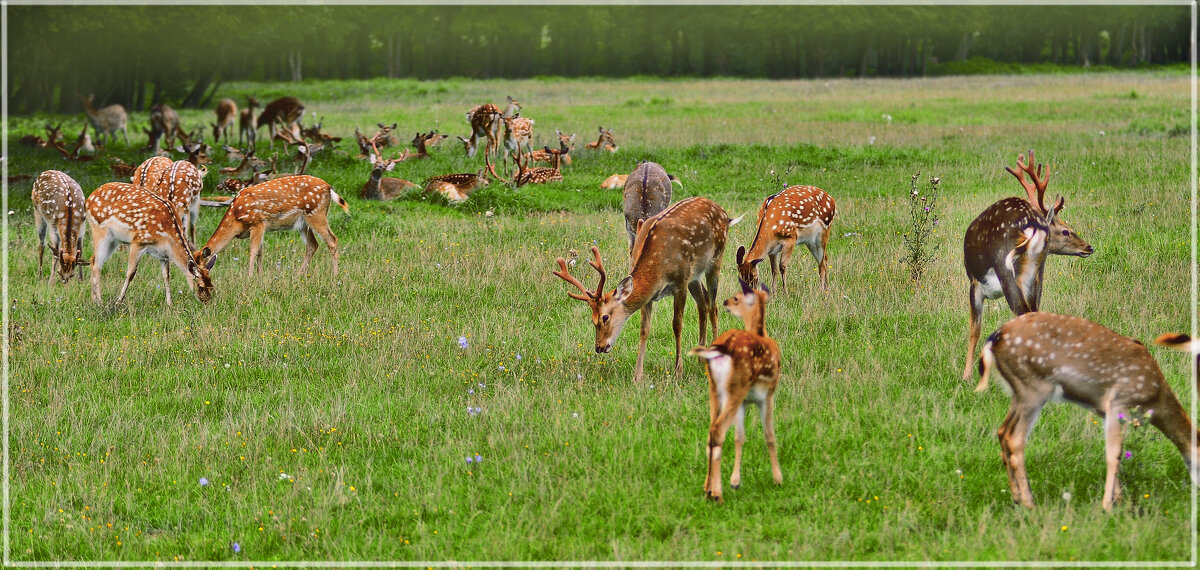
(355, 386)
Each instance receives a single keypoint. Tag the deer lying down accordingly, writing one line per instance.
(1043, 357)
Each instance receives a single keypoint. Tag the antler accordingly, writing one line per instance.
(587, 295)
(1038, 186)
(492, 169)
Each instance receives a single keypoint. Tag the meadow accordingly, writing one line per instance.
(329, 416)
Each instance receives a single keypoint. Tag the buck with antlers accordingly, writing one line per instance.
(1043, 357)
(120, 213)
(605, 142)
(742, 367)
(1005, 249)
(179, 182)
(798, 214)
(58, 210)
(485, 122)
(676, 252)
(287, 111)
(647, 192)
(379, 187)
(299, 203)
(106, 121)
(538, 175)
(248, 123)
(227, 113)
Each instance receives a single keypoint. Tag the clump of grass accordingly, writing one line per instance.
(921, 251)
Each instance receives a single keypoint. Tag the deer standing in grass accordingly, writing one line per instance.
(287, 111)
(743, 368)
(677, 252)
(1005, 249)
(164, 124)
(227, 113)
(647, 192)
(299, 203)
(58, 210)
(798, 214)
(1043, 357)
(179, 182)
(106, 121)
(120, 213)
(518, 134)
(248, 123)
(485, 122)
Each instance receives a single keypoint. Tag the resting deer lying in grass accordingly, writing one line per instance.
(106, 121)
(299, 203)
(380, 188)
(1005, 249)
(798, 214)
(677, 252)
(606, 141)
(120, 213)
(1043, 357)
(455, 188)
(539, 175)
(743, 368)
(647, 192)
(179, 182)
(485, 122)
(58, 210)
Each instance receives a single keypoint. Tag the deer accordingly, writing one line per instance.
(179, 182)
(227, 113)
(83, 144)
(164, 124)
(247, 124)
(419, 143)
(518, 132)
(121, 213)
(58, 210)
(434, 139)
(647, 192)
(380, 188)
(1005, 249)
(613, 182)
(197, 153)
(463, 183)
(742, 368)
(247, 164)
(606, 141)
(796, 214)
(1043, 356)
(485, 122)
(677, 251)
(287, 111)
(299, 203)
(1185, 343)
(106, 121)
(539, 175)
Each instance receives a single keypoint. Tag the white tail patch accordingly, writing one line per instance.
(339, 200)
(988, 360)
(736, 220)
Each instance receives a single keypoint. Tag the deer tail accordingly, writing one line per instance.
(339, 200)
(735, 221)
(987, 360)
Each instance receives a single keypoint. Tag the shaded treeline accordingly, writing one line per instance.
(139, 55)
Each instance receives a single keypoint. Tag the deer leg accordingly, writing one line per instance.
(256, 240)
(322, 229)
(1113, 438)
(42, 248)
(818, 252)
(135, 255)
(784, 257)
(102, 249)
(1026, 415)
(739, 439)
(716, 442)
(700, 294)
(1017, 300)
(1006, 453)
(166, 273)
(975, 298)
(310, 247)
(767, 410)
(78, 254)
(642, 338)
(713, 281)
(677, 327)
(774, 259)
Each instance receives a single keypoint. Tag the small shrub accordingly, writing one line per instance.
(921, 251)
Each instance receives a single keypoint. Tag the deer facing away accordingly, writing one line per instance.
(227, 113)
(798, 214)
(58, 210)
(647, 192)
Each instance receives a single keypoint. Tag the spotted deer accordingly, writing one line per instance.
(518, 133)
(379, 187)
(797, 214)
(562, 155)
(58, 210)
(677, 252)
(742, 368)
(106, 121)
(227, 113)
(299, 203)
(1005, 249)
(538, 175)
(485, 122)
(121, 213)
(606, 141)
(248, 123)
(286, 111)
(457, 187)
(647, 192)
(179, 182)
(1043, 357)
(164, 125)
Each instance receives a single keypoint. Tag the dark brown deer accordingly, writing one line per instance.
(1043, 357)
(58, 211)
(248, 123)
(797, 214)
(227, 113)
(287, 111)
(164, 125)
(676, 252)
(647, 192)
(1005, 249)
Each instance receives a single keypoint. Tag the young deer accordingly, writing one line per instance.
(164, 124)
(298, 202)
(456, 187)
(485, 122)
(647, 192)
(227, 113)
(742, 367)
(287, 111)
(539, 175)
(1043, 357)
(677, 251)
(605, 142)
(1005, 249)
(247, 124)
(120, 213)
(798, 214)
(613, 182)
(518, 133)
(418, 143)
(179, 182)
(58, 209)
(106, 121)
(380, 188)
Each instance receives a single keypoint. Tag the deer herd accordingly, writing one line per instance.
(675, 249)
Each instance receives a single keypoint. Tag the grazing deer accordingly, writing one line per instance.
(120, 213)
(485, 122)
(1183, 343)
(742, 367)
(647, 192)
(58, 210)
(299, 203)
(247, 124)
(287, 111)
(179, 182)
(380, 188)
(106, 121)
(797, 214)
(605, 142)
(677, 251)
(227, 113)
(164, 124)
(1043, 357)
(1005, 249)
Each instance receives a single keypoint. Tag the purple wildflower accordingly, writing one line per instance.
(237, 548)
(469, 459)
(478, 458)
(203, 482)
(462, 342)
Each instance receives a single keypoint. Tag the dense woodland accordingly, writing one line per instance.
(140, 55)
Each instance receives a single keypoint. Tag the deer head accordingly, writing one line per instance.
(1061, 240)
(608, 312)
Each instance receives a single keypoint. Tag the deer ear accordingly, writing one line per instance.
(211, 262)
(1052, 213)
(756, 262)
(741, 254)
(1058, 205)
(639, 225)
(390, 166)
(624, 288)
(745, 286)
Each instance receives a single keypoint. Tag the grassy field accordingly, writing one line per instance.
(329, 415)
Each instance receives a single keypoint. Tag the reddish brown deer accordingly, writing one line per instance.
(227, 113)
(1005, 249)
(179, 182)
(539, 175)
(615, 181)
(676, 252)
(1043, 357)
(1183, 343)
(456, 187)
(106, 121)
(797, 214)
(647, 192)
(418, 143)
(120, 213)
(287, 111)
(606, 141)
(299, 203)
(742, 367)
(485, 122)
(518, 133)
(164, 124)
(248, 123)
(58, 210)
(379, 187)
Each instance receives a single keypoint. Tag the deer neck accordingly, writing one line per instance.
(755, 322)
(228, 229)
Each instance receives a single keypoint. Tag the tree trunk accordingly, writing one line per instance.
(964, 46)
(295, 63)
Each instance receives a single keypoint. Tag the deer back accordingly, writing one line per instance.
(285, 109)
(58, 199)
(135, 215)
(676, 245)
(647, 192)
(280, 202)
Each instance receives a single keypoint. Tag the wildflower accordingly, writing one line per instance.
(482, 385)
(462, 342)
(237, 548)
(501, 368)
(283, 476)
(470, 391)
(1064, 528)
(478, 458)
(489, 213)
(1066, 495)
(575, 415)
(935, 180)
(469, 459)
(518, 357)
(1128, 454)
(579, 376)
(203, 482)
